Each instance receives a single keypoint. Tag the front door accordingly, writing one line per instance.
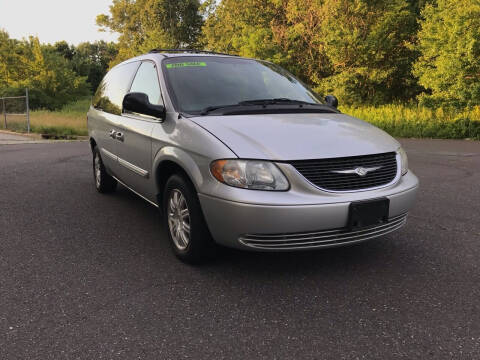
(135, 143)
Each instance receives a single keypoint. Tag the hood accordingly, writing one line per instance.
(297, 136)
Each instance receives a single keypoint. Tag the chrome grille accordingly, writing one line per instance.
(329, 174)
(326, 238)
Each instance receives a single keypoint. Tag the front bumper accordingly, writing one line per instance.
(268, 227)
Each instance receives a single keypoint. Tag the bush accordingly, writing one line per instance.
(421, 122)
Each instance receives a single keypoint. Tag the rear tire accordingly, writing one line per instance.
(184, 221)
(104, 183)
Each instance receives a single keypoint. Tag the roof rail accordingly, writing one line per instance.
(193, 51)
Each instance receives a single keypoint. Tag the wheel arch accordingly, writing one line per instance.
(93, 143)
(171, 160)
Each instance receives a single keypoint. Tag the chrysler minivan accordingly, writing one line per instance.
(239, 152)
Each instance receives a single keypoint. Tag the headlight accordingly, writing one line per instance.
(249, 174)
(404, 160)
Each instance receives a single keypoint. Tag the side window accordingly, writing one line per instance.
(114, 86)
(146, 81)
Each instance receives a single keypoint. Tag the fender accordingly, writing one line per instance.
(182, 159)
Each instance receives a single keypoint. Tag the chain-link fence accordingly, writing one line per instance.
(15, 113)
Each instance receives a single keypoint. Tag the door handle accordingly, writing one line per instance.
(112, 133)
(119, 136)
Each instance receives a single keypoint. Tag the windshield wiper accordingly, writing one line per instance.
(275, 101)
(266, 102)
(206, 110)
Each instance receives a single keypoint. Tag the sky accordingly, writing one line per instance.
(54, 20)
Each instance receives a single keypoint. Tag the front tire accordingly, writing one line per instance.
(104, 183)
(184, 221)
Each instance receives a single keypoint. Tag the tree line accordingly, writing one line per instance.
(54, 74)
(366, 52)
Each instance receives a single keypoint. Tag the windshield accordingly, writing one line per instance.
(202, 82)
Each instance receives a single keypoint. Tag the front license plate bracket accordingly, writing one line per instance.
(368, 213)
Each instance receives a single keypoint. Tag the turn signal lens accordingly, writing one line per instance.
(404, 160)
(249, 174)
(217, 169)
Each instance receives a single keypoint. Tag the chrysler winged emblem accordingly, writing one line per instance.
(360, 171)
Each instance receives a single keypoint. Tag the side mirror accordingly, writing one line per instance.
(138, 103)
(332, 101)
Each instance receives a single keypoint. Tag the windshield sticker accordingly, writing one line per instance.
(187, 64)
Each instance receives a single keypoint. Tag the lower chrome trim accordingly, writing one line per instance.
(326, 238)
(134, 168)
(109, 154)
(137, 170)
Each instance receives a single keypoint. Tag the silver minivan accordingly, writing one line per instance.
(239, 152)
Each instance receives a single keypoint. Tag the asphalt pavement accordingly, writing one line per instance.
(91, 276)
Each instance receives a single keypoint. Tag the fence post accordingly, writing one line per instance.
(28, 111)
(4, 111)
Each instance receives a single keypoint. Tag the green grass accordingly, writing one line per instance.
(79, 106)
(420, 122)
(71, 120)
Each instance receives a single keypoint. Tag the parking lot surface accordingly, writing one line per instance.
(90, 276)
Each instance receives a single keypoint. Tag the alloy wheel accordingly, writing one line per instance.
(179, 219)
(98, 170)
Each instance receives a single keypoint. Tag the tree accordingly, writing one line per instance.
(92, 60)
(49, 76)
(147, 24)
(418, 5)
(449, 42)
(299, 34)
(12, 63)
(358, 49)
(242, 29)
(64, 49)
(367, 43)
(283, 31)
